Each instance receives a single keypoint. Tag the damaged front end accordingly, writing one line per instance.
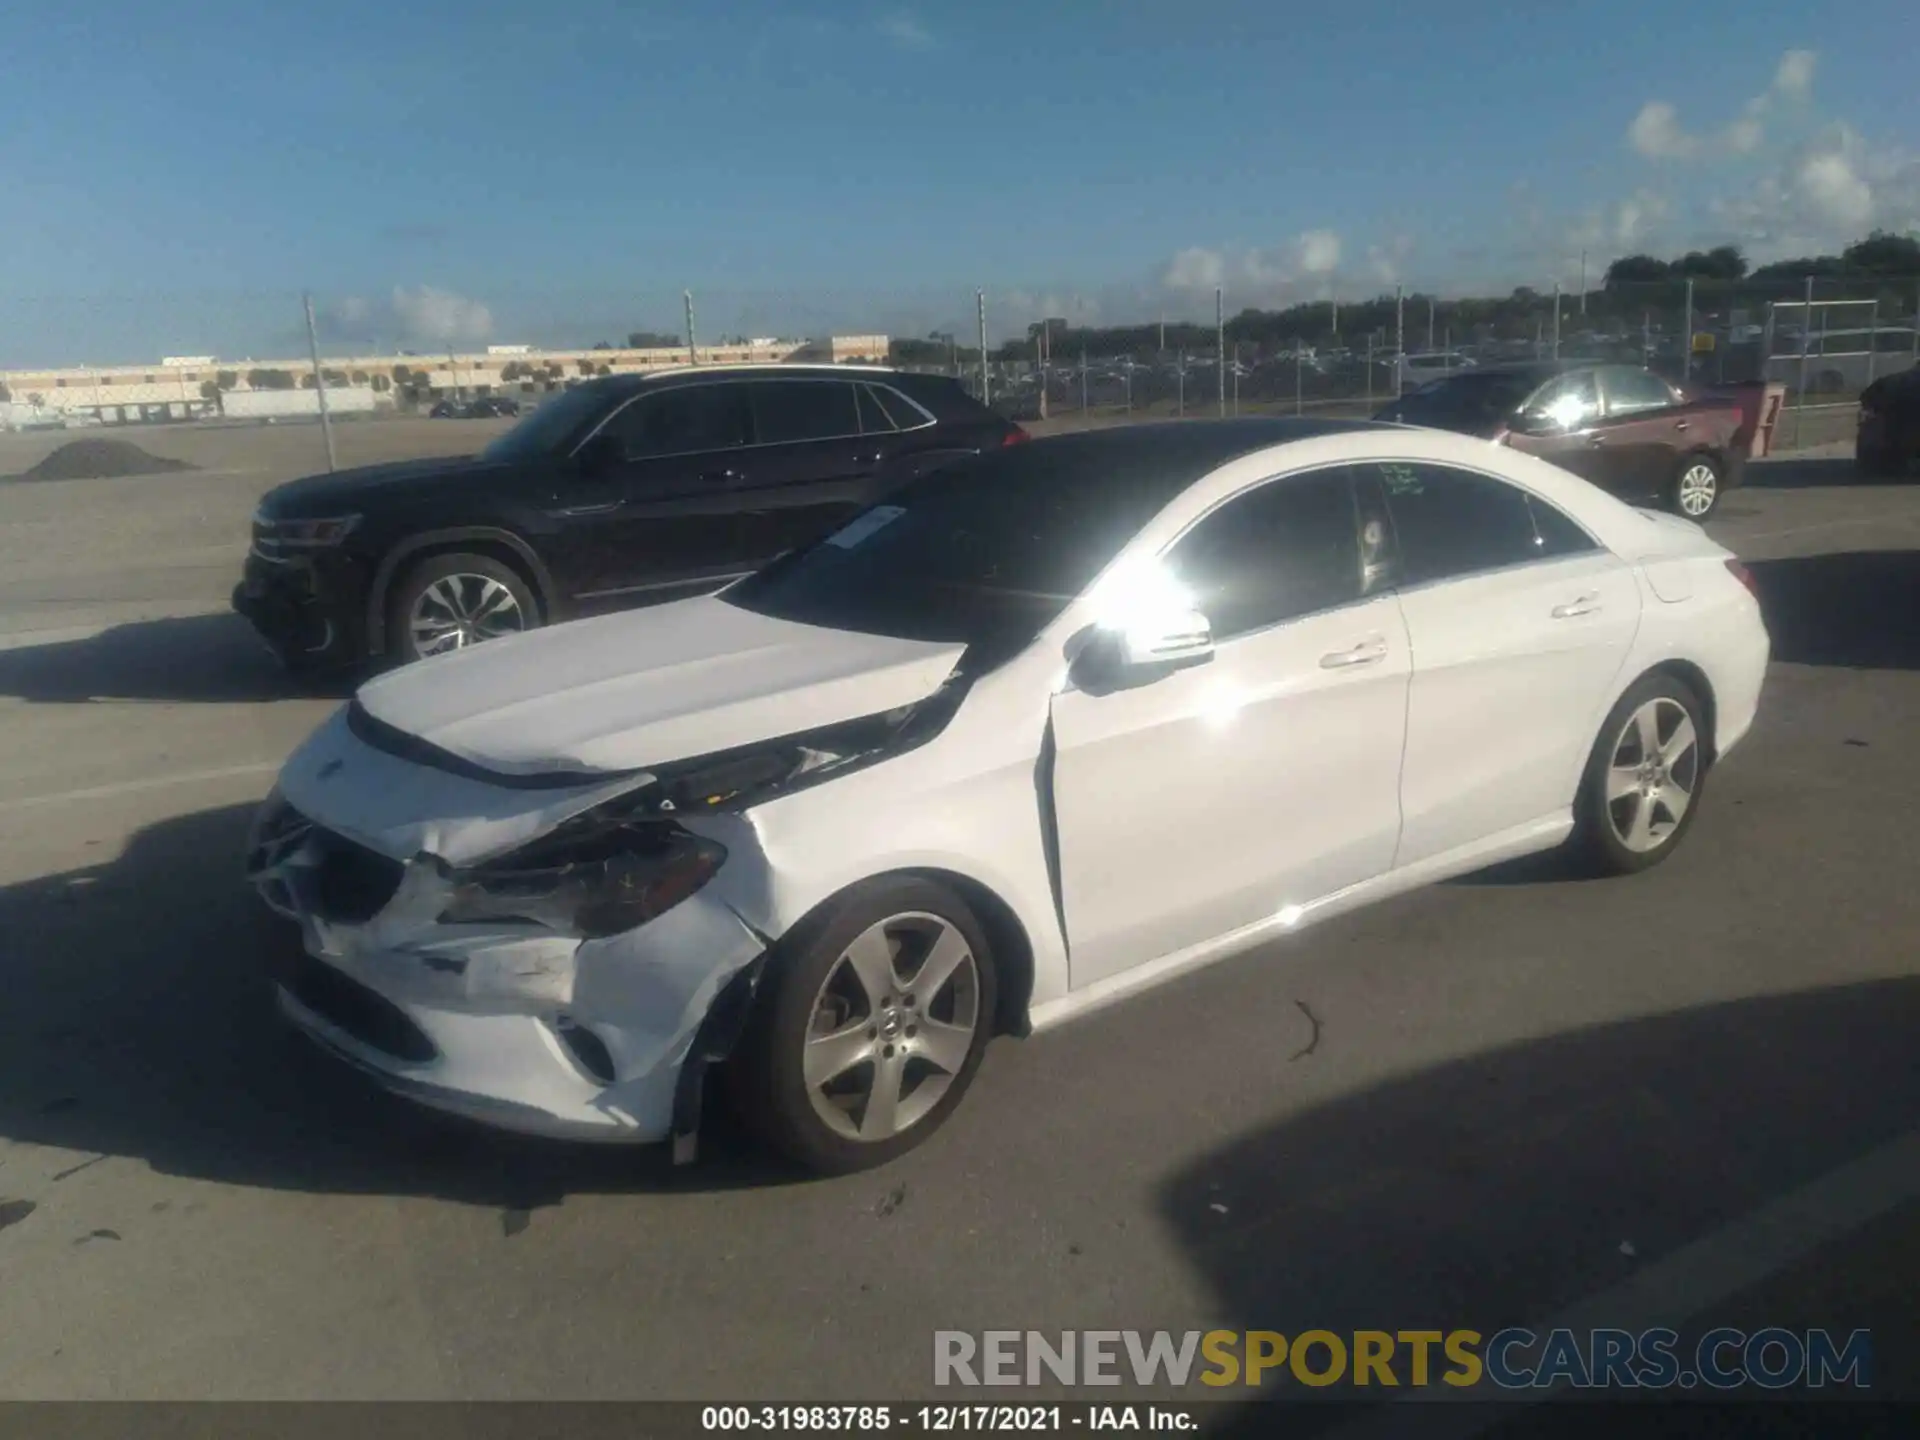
(564, 956)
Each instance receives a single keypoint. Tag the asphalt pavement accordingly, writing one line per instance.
(1686, 1094)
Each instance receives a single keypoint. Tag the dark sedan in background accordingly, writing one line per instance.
(622, 491)
(1620, 426)
(1888, 442)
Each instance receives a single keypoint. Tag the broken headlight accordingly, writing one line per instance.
(591, 880)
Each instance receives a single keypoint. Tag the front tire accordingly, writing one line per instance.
(1695, 493)
(1644, 778)
(449, 602)
(871, 1028)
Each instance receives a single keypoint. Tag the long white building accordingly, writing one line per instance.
(187, 387)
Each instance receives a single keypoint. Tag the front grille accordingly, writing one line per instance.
(351, 884)
(348, 1005)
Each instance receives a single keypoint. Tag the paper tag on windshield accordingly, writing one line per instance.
(852, 534)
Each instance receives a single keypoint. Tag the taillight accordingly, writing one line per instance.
(1745, 577)
(1014, 436)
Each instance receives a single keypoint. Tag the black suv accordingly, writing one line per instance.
(621, 491)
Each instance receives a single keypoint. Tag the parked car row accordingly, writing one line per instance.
(993, 733)
(487, 407)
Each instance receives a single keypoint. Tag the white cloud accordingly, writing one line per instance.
(1195, 268)
(906, 31)
(1835, 192)
(429, 314)
(1318, 252)
(1657, 133)
(1823, 195)
(1794, 77)
(423, 314)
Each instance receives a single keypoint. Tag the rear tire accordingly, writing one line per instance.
(1644, 778)
(1695, 491)
(1879, 464)
(840, 1078)
(450, 602)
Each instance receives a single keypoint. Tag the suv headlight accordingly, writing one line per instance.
(593, 882)
(309, 534)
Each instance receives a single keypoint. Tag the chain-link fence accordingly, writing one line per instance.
(1034, 353)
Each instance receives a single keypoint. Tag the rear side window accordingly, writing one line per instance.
(873, 419)
(1451, 522)
(901, 411)
(1631, 391)
(1287, 549)
(686, 420)
(785, 411)
(1554, 533)
(1570, 403)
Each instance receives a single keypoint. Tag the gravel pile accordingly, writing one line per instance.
(102, 460)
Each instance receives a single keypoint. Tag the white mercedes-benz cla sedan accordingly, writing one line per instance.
(1041, 731)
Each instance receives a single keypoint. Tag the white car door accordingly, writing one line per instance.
(1519, 623)
(1213, 797)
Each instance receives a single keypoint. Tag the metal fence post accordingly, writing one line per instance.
(1220, 343)
(1369, 371)
(980, 313)
(1399, 341)
(1556, 319)
(1298, 366)
(1686, 336)
(693, 354)
(1128, 372)
(1236, 379)
(319, 384)
(1873, 338)
(1084, 406)
(1180, 392)
(1806, 333)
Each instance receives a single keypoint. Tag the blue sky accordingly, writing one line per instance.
(176, 174)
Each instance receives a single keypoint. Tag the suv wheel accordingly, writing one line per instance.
(449, 602)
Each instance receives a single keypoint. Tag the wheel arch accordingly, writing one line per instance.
(488, 540)
(1695, 679)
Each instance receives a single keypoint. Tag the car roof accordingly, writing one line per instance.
(1194, 447)
(677, 374)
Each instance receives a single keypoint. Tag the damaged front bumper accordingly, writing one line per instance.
(510, 1024)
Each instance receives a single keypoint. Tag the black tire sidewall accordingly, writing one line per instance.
(765, 1075)
(1593, 831)
(418, 577)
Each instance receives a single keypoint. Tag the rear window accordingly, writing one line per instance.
(1467, 399)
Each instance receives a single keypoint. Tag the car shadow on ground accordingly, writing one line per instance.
(192, 659)
(139, 1020)
(1503, 1187)
(1858, 609)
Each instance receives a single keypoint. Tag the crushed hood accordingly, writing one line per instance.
(649, 687)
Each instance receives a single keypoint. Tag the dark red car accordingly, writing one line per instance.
(1620, 426)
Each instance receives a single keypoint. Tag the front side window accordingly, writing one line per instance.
(1631, 391)
(554, 427)
(686, 420)
(1451, 522)
(1288, 548)
(1570, 403)
(787, 411)
(1554, 533)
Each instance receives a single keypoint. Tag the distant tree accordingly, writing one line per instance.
(651, 340)
(1884, 253)
(6, 395)
(271, 380)
(1636, 270)
(360, 377)
(554, 371)
(1725, 262)
(601, 345)
(381, 384)
(209, 390)
(585, 366)
(227, 379)
(336, 378)
(604, 369)
(402, 374)
(512, 370)
(306, 381)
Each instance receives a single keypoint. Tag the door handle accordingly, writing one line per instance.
(869, 457)
(1367, 652)
(720, 477)
(1583, 605)
(1596, 440)
(1679, 424)
(604, 507)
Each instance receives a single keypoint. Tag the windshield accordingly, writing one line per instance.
(1468, 401)
(984, 553)
(550, 426)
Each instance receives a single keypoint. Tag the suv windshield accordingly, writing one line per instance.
(552, 423)
(984, 553)
(1469, 401)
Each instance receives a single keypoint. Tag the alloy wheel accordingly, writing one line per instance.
(892, 1026)
(1699, 487)
(456, 611)
(1652, 776)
